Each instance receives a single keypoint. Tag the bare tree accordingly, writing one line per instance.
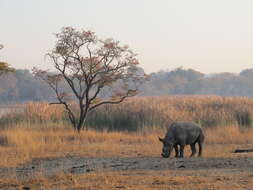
(96, 71)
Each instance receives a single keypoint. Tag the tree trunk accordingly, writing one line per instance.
(81, 123)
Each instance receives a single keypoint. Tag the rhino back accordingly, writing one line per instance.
(185, 132)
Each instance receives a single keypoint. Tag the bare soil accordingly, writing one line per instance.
(79, 165)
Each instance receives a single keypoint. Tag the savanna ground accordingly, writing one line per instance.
(39, 150)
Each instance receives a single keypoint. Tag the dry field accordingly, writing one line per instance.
(22, 145)
(218, 169)
(50, 155)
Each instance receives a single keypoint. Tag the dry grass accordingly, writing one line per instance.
(141, 180)
(21, 145)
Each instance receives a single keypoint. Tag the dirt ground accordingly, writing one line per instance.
(79, 165)
(131, 173)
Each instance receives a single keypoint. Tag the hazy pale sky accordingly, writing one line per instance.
(205, 35)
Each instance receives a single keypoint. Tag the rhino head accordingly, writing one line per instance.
(167, 148)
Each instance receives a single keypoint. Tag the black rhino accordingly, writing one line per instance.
(182, 134)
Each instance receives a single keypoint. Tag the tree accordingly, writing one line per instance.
(247, 73)
(96, 71)
(4, 67)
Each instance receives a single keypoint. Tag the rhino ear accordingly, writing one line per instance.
(160, 139)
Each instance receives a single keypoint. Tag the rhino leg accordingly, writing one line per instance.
(200, 148)
(200, 142)
(193, 148)
(182, 150)
(176, 150)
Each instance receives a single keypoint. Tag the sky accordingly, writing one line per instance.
(204, 35)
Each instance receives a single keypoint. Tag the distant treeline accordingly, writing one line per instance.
(189, 81)
(22, 86)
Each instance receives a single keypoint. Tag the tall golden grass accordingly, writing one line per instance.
(42, 131)
(140, 113)
(151, 112)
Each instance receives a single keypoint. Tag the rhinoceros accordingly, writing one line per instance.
(182, 133)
